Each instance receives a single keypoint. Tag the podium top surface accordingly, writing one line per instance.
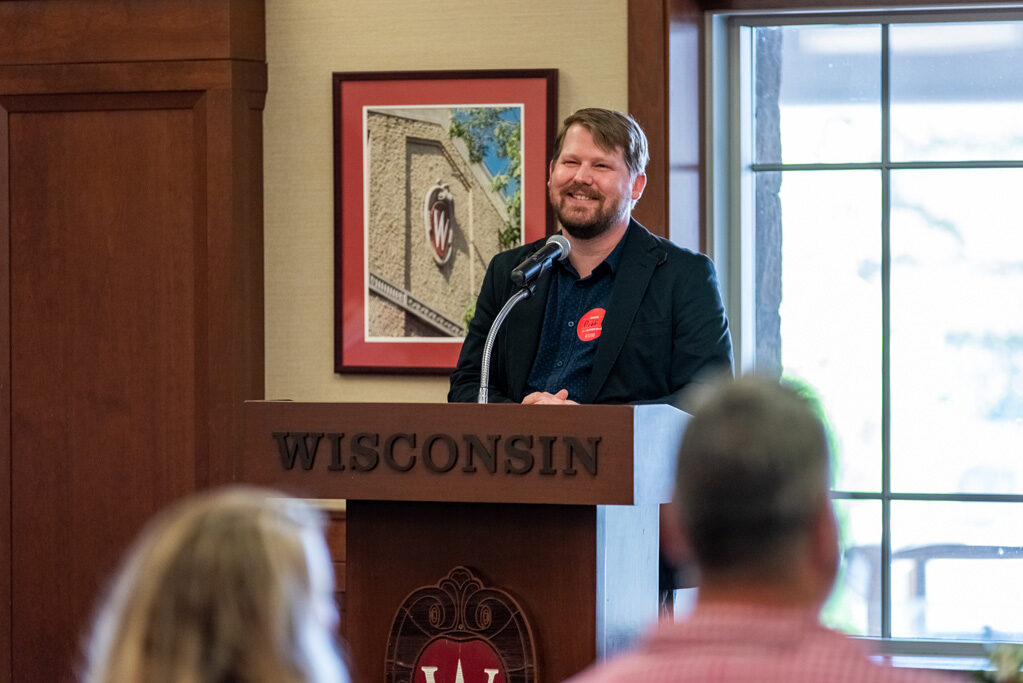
(463, 452)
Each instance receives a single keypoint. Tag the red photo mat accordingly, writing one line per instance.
(535, 90)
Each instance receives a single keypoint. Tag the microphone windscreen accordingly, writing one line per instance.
(562, 242)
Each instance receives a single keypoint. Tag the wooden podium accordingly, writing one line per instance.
(554, 505)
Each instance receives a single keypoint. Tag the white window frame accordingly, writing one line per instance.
(729, 211)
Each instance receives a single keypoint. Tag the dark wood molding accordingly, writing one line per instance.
(648, 75)
(77, 31)
(335, 532)
(5, 403)
(131, 288)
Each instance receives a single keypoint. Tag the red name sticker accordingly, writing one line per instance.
(589, 326)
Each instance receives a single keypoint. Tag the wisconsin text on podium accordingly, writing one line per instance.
(518, 454)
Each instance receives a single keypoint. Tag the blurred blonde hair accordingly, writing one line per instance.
(228, 586)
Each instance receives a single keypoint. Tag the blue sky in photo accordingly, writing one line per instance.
(497, 165)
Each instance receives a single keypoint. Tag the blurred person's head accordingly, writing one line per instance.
(229, 586)
(752, 493)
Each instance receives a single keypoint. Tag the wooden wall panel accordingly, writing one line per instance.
(234, 274)
(5, 409)
(131, 295)
(103, 326)
(77, 31)
(524, 553)
(648, 93)
(337, 544)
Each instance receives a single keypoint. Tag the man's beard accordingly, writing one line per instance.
(602, 220)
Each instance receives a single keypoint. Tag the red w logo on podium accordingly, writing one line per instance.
(460, 630)
(450, 661)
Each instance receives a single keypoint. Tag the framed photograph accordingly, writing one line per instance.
(435, 172)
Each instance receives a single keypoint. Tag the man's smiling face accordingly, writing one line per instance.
(591, 188)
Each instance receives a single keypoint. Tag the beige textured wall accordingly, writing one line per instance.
(307, 40)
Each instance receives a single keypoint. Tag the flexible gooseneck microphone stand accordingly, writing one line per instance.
(523, 276)
(488, 347)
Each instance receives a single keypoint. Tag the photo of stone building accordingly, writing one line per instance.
(433, 221)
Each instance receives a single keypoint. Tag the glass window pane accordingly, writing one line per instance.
(817, 94)
(818, 303)
(957, 91)
(956, 569)
(957, 330)
(855, 605)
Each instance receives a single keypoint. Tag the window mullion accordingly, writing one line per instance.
(886, 517)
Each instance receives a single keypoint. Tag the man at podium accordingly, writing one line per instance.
(627, 317)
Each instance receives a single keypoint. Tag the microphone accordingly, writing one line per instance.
(539, 262)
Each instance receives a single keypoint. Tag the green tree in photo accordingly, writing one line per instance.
(492, 132)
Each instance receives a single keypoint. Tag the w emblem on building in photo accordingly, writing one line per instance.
(438, 211)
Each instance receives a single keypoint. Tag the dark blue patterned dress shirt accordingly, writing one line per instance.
(572, 325)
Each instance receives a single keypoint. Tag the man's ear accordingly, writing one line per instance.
(825, 542)
(638, 186)
(550, 172)
(674, 542)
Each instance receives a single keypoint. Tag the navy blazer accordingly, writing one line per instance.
(665, 325)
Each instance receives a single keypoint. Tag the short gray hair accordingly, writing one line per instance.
(753, 471)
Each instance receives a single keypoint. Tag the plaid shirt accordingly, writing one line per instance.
(722, 643)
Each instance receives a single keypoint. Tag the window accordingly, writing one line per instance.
(868, 210)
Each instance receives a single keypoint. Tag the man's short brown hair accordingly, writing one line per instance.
(611, 130)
